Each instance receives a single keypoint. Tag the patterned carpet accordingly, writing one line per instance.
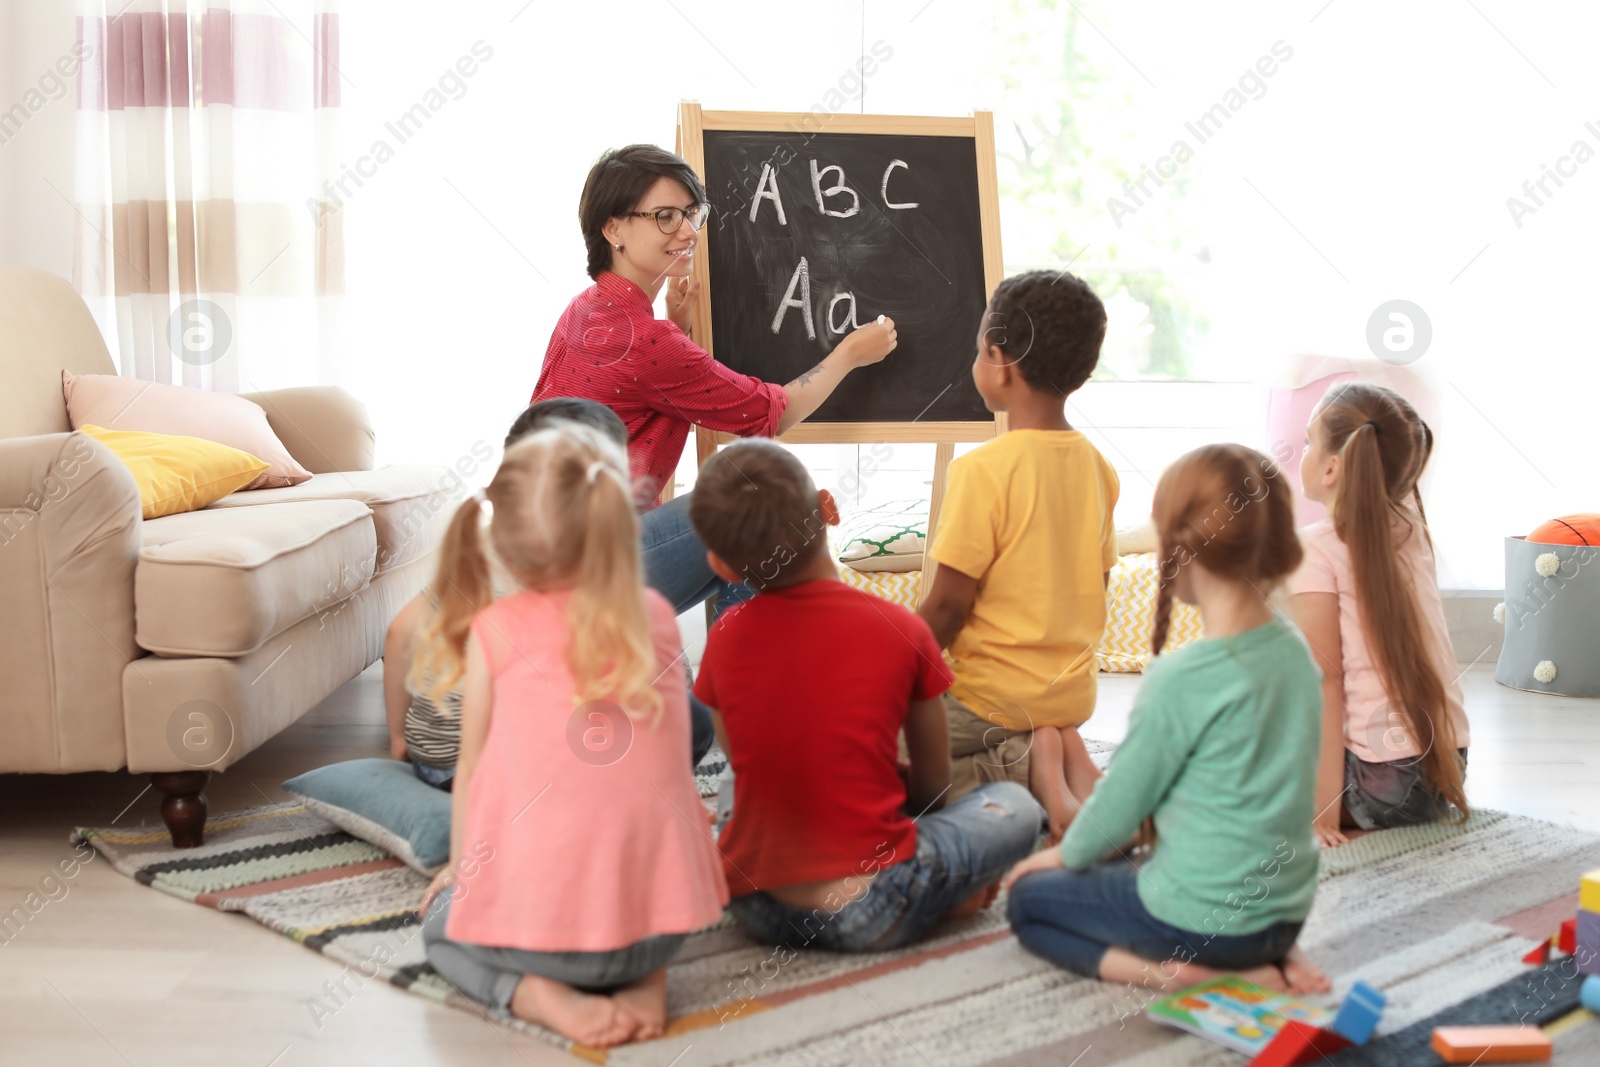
(1437, 917)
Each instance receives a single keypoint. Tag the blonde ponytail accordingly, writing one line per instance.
(462, 587)
(612, 652)
(564, 519)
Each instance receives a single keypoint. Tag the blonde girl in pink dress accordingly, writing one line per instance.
(580, 855)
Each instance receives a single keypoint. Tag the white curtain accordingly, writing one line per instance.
(205, 128)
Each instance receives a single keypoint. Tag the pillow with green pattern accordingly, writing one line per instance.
(886, 537)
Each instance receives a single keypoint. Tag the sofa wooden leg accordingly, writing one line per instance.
(184, 807)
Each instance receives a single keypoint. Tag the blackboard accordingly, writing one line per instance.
(899, 231)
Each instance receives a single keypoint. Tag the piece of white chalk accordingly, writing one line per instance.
(880, 320)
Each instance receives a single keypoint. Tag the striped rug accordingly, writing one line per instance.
(1439, 917)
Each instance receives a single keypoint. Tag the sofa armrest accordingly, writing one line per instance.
(69, 542)
(324, 428)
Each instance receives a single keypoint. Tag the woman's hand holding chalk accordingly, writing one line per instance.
(865, 346)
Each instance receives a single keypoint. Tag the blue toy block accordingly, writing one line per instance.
(1358, 1015)
(1590, 993)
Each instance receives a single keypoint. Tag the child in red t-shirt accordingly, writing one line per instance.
(811, 683)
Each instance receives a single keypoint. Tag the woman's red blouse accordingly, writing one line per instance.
(608, 346)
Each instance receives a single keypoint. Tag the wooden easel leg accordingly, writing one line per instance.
(943, 453)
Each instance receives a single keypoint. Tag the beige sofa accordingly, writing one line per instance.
(175, 646)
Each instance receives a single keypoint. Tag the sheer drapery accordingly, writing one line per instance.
(204, 128)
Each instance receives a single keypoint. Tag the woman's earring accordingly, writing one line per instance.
(617, 247)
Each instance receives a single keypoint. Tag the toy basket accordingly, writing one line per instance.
(1552, 619)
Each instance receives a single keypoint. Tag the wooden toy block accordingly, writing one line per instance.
(1358, 1015)
(1567, 939)
(1540, 955)
(1589, 994)
(1491, 1044)
(1298, 1044)
(1588, 950)
(1589, 892)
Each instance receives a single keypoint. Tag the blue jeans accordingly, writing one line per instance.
(960, 850)
(438, 777)
(702, 731)
(675, 560)
(490, 975)
(1072, 917)
(1380, 796)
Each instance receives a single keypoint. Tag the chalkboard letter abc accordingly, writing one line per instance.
(835, 189)
(884, 191)
(802, 279)
(769, 177)
(850, 322)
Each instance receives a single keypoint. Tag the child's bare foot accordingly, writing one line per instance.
(1060, 819)
(1120, 965)
(1047, 781)
(976, 902)
(646, 1002)
(587, 1018)
(1303, 976)
(1076, 764)
(1267, 977)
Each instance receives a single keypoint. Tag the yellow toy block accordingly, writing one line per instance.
(1589, 892)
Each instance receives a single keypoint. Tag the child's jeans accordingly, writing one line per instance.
(675, 560)
(1072, 917)
(960, 850)
(490, 975)
(702, 731)
(438, 777)
(1380, 796)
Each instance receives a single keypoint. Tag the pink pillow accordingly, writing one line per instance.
(131, 404)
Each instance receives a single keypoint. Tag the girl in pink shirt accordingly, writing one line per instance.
(580, 852)
(1394, 750)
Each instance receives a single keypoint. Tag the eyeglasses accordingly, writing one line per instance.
(670, 218)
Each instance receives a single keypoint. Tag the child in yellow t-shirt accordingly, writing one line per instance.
(1024, 547)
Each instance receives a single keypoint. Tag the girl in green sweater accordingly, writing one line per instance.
(1221, 756)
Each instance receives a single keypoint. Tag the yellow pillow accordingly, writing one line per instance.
(177, 474)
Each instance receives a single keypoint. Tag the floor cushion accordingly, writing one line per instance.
(1130, 609)
(381, 801)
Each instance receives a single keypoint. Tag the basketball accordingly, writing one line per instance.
(1568, 530)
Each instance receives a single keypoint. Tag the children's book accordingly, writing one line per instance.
(1234, 1013)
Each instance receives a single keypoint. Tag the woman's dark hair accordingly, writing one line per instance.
(616, 182)
(1050, 324)
(588, 413)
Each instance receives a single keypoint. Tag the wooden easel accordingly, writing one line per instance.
(979, 126)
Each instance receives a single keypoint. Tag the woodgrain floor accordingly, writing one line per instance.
(114, 973)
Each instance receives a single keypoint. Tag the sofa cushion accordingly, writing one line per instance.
(175, 473)
(134, 404)
(410, 506)
(222, 581)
